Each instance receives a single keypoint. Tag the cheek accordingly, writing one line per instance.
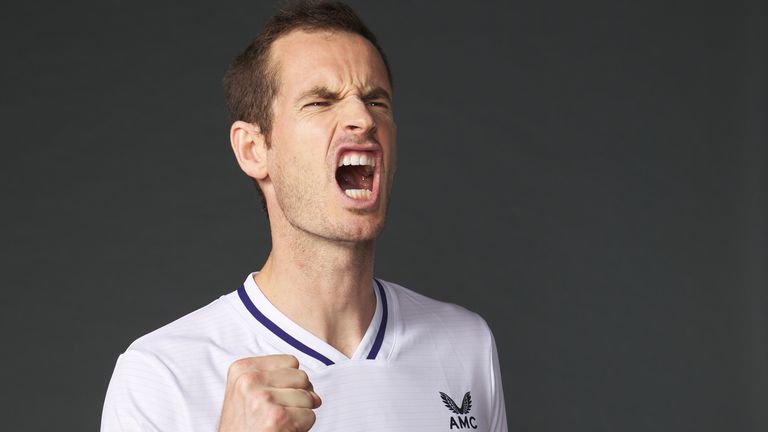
(313, 135)
(297, 157)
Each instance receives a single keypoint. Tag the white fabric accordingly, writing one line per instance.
(173, 378)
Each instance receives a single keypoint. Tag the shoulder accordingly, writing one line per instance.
(186, 347)
(213, 325)
(194, 347)
(413, 305)
(419, 313)
(165, 371)
(190, 332)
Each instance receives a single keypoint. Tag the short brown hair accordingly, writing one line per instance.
(251, 83)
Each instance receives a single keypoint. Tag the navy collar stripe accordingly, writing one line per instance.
(277, 330)
(274, 328)
(382, 326)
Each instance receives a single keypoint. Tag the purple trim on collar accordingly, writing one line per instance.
(277, 330)
(382, 326)
(274, 328)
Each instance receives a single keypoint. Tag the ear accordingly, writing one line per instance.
(250, 148)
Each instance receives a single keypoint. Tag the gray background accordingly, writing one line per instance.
(589, 176)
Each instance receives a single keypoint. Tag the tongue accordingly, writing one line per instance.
(355, 177)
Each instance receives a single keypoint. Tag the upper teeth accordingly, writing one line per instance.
(357, 159)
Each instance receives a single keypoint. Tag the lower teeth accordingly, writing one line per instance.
(358, 193)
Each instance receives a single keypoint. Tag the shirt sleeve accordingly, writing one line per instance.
(142, 396)
(498, 409)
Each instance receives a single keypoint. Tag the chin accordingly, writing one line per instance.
(360, 231)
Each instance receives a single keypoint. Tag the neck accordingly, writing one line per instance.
(324, 286)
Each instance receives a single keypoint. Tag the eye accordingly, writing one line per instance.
(314, 104)
(380, 104)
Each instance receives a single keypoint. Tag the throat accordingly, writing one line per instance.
(338, 310)
(355, 177)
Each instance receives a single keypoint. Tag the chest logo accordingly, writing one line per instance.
(462, 420)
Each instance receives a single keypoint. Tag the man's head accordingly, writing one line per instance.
(251, 83)
(311, 93)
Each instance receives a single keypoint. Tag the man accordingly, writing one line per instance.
(312, 340)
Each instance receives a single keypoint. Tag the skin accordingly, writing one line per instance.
(334, 95)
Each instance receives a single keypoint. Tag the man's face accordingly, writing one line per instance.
(332, 155)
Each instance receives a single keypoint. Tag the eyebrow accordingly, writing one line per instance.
(376, 93)
(323, 92)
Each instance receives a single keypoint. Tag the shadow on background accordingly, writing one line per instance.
(590, 177)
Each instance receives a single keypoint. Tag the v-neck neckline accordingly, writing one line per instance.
(289, 332)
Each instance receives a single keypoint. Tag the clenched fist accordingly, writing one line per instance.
(268, 393)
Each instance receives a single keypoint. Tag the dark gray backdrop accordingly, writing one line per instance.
(589, 176)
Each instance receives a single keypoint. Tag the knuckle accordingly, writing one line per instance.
(247, 381)
(257, 377)
(290, 361)
(243, 382)
(275, 416)
(259, 399)
(237, 367)
(304, 424)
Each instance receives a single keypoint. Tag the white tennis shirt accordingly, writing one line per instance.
(423, 365)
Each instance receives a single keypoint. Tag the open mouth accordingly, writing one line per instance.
(355, 174)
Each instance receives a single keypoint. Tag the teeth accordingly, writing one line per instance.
(358, 193)
(357, 159)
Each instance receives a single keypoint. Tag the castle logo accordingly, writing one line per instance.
(462, 420)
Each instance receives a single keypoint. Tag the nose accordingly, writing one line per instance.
(357, 118)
